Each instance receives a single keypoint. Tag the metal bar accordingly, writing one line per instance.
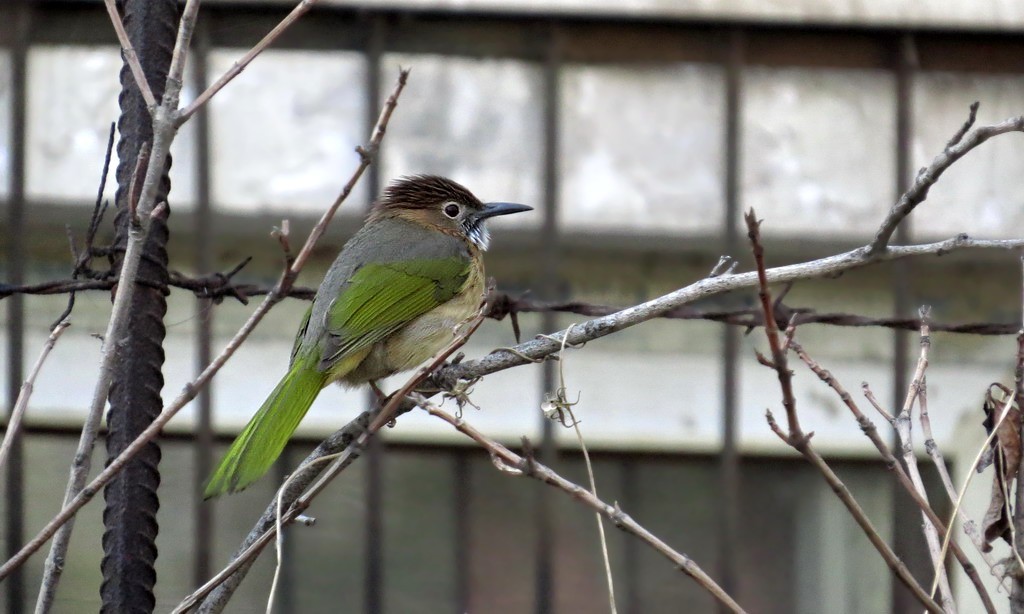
(631, 549)
(131, 498)
(462, 492)
(729, 461)
(906, 518)
(545, 580)
(15, 254)
(374, 549)
(202, 512)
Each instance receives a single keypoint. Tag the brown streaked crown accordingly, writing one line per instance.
(421, 192)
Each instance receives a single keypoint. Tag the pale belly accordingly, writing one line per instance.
(419, 340)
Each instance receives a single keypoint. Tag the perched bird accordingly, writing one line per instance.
(391, 300)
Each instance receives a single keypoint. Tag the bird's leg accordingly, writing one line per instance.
(382, 399)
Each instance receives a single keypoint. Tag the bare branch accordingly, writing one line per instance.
(971, 118)
(596, 328)
(801, 442)
(528, 466)
(14, 422)
(366, 155)
(300, 9)
(893, 465)
(771, 330)
(926, 177)
(129, 55)
(967, 482)
(903, 425)
(970, 527)
(220, 285)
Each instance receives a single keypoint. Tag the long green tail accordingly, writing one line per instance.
(263, 439)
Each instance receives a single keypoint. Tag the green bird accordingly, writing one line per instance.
(391, 300)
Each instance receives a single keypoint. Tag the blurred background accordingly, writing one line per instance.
(639, 132)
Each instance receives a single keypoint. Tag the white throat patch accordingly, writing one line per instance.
(479, 235)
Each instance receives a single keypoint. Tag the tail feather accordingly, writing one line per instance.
(266, 435)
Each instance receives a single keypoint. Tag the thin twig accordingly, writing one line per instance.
(870, 396)
(129, 55)
(926, 177)
(84, 258)
(972, 116)
(967, 482)
(279, 524)
(86, 494)
(14, 422)
(366, 155)
(903, 426)
(528, 466)
(970, 527)
(561, 404)
(893, 465)
(237, 68)
(771, 330)
(800, 441)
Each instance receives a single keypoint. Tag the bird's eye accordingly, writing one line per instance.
(452, 210)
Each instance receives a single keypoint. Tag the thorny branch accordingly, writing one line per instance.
(220, 285)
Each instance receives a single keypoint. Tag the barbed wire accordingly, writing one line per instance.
(220, 285)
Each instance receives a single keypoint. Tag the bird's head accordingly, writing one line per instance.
(442, 204)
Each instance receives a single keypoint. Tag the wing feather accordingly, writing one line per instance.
(380, 299)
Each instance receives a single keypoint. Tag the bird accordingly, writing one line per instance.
(391, 300)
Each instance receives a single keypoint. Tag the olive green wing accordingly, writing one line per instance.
(381, 298)
(302, 333)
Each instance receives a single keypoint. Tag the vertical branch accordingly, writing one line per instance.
(1017, 594)
(970, 527)
(903, 423)
(893, 465)
(801, 442)
(771, 330)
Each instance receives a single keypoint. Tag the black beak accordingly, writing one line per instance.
(494, 209)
